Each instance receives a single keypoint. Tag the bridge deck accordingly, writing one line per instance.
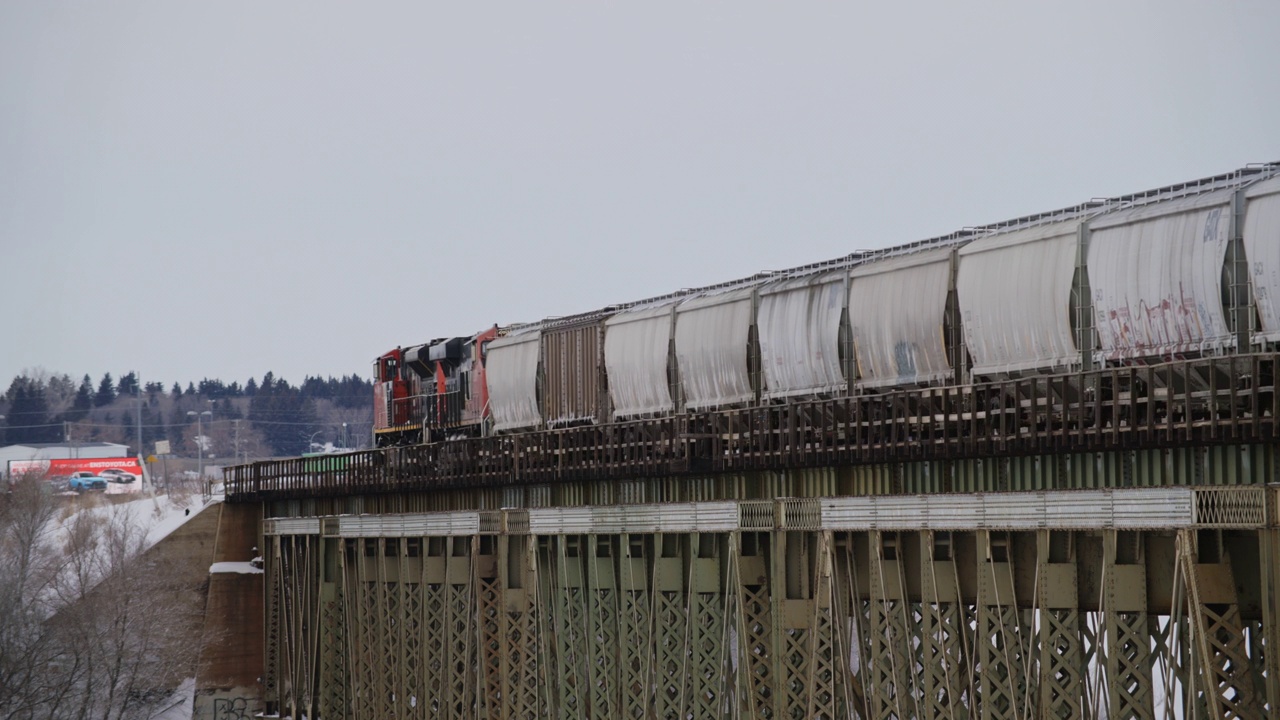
(1208, 401)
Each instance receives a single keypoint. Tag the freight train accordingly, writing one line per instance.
(1178, 272)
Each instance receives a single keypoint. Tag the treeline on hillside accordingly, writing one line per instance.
(261, 418)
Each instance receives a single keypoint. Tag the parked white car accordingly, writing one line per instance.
(116, 475)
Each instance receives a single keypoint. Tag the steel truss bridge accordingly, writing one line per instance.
(1098, 544)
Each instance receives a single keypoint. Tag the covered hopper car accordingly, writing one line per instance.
(1183, 271)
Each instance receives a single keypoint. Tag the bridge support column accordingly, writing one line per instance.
(892, 665)
(602, 625)
(1220, 644)
(671, 627)
(521, 666)
(1126, 627)
(750, 556)
(566, 585)
(460, 585)
(1061, 662)
(828, 696)
(490, 606)
(1002, 647)
(272, 567)
(635, 623)
(435, 623)
(945, 642)
(710, 675)
(1269, 561)
(333, 701)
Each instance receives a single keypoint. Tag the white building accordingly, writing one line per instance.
(60, 451)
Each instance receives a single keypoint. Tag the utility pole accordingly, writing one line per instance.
(236, 424)
(137, 390)
(66, 438)
(199, 416)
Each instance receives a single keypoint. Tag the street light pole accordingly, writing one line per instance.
(200, 439)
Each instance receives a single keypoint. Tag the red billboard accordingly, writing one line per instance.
(124, 475)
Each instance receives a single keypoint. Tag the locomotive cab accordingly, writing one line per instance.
(454, 393)
(397, 419)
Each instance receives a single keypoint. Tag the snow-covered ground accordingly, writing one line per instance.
(179, 705)
(157, 516)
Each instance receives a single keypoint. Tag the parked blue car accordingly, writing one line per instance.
(87, 481)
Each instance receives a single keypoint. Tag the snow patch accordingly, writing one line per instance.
(244, 568)
(180, 704)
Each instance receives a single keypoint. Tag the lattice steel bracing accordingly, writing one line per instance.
(892, 662)
(271, 624)
(635, 630)
(1001, 634)
(366, 683)
(460, 632)
(390, 653)
(1221, 648)
(1269, 542)
(411, 691)
(671, 654)
(773, 622)
(709, 674)
(755, 633)
(523, 697)
(602, 636)
(1128, 643)
(434, 648)
(1061, 661)
(829, 665)
(568, 604)
(945, 676)
(710, 608)
(333, 653)
(489, 608)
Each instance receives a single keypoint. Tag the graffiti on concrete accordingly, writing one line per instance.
(231, 709)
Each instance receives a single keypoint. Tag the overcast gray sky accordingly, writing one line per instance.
(221, 189)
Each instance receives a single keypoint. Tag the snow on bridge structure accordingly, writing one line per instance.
(1094, 538)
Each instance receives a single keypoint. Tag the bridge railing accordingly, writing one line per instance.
(1206, 401)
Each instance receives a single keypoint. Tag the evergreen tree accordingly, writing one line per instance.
(353, 392)
(28, 418)
(176, 392)
(227, 410)
(60, 392)
(178, 422)
(128, 432)
(212, 389)
(285, 418)
(191, 389)
(128, 385)
(251, 388)
(152, 428)
(83, 401)
(106, 392)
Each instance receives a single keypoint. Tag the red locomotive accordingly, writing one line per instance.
(432, 391)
